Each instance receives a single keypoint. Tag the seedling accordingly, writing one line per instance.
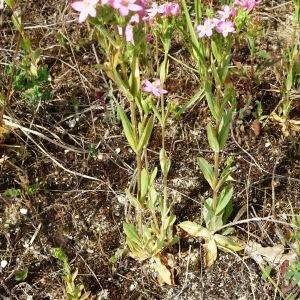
(73, 291)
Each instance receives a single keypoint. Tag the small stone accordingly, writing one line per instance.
(267, 145)
(132, 286)
(24, 211)
(100, 156)
(71, 123)
(3, 263)
(118, 150)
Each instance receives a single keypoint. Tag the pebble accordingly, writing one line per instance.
(267, 145)
(3, 263)
(24, 211)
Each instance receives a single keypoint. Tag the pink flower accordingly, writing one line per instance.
(153, 11)
(126, 6)
(227, 12)
(135, 19)
(246, 4)
(128, 33)
(86, 8)
(206, 29)
(153, 87)
(170, 9)
(225, 27)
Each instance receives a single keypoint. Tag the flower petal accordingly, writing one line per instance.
(92, 11)
(78, 5)
(83, 16)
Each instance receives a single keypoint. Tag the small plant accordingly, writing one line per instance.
(30, 78)
(291, 75)
(293, 271)
(211, 45)
(73, 290)
(12, 192)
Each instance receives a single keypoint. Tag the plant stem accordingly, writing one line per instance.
(217, 154)
(216, 177)
(138, 157)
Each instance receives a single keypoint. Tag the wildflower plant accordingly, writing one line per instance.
(123, 29)
(210, 40)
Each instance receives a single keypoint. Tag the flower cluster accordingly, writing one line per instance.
(125, 7)
(165, 10)
(224, 23)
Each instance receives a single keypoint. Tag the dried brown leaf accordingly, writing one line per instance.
(211, 253)
(165, 272)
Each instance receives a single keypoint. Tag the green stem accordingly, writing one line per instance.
(216, 178)
(163, 128)
(138, 162)
(217, 154)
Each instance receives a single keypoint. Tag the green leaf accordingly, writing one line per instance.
(59, 254)
(216, 52)
(132, 199)
(10, 3)
(123, 85)
(169, 221)
(208, 213)
(135, 77)
(17, 21)
(131, 233)
(153, 107)
(164, 162)
(224, 198)
(190, 26)
(145, 135)
(212, 138)
(289, 80)
(225, 174)
(224, 128)
(228, 231)
(144, 183)
(12, 193)
(21, 274)
(127, 128)
(207, 170)
(194, 229)
(163, 70)
(195, 98)
(117, 256)
(226, 242)
(153, 176)
(227, 212)
(210, 99)
(152, 199)
(266, 272)
(225, 68)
